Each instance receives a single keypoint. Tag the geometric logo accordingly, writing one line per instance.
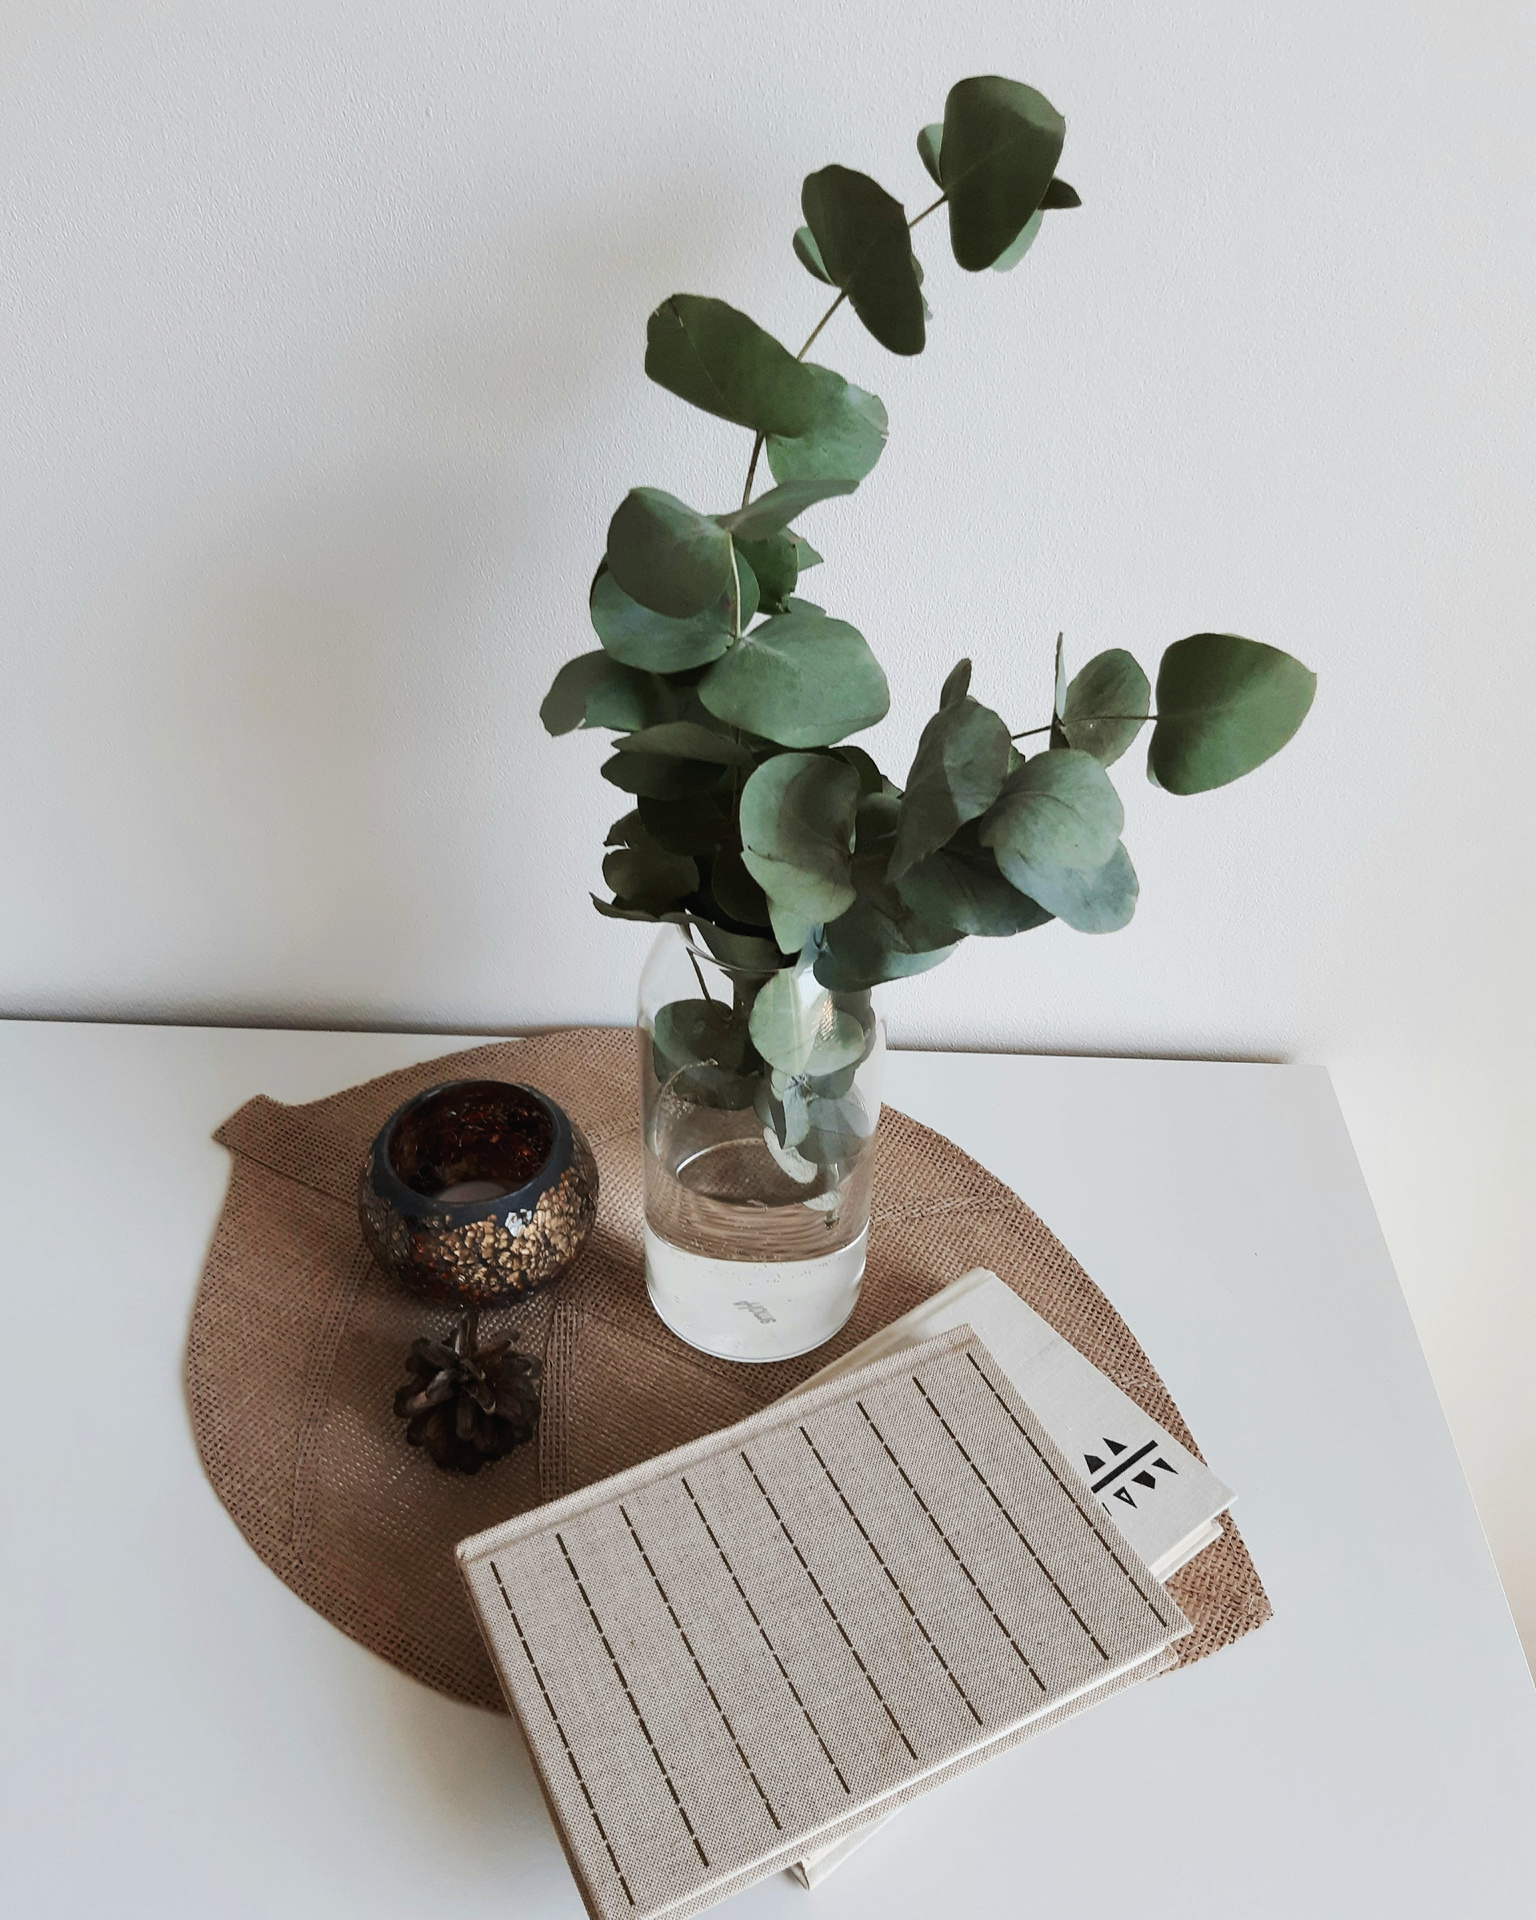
(1124, 1461)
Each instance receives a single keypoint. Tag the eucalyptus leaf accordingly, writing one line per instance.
(775, 561)
(956, 775)
(748, 953)
(627, 831)
(1000, 146)
(688, 740)
(595, 690)
(1012, 254)
(930, 147)
(797, 1026)
(871, 779)
(861, 234)
(717, 358)
(1224, 706)
(648, 873)
(667, 556)
(844, 439)
(957, 685)
(836, 1132)
(639, 637)
(797, 828)
(867, 945)
(697, 823)
(1090, 899)
(655, 777)
(1099, 714)
(722, 1089)
(773, 511)
(881, 936)
(685, 1033)
(806, 555)
(1058, 808)
(1059, 195)
(961, 885)
(621, 910)
(799, 679)
(809, 255)
(736, 892)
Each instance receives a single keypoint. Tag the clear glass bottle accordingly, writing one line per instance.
(759, 1100)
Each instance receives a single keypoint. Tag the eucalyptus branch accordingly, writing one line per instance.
(674, 673)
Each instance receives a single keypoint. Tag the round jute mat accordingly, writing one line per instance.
(297, 1341)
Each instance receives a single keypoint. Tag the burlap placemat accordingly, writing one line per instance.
(297, 1341)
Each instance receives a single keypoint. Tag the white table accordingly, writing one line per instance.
(183, 1737)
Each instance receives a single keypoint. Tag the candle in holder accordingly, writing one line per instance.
(479, 1192)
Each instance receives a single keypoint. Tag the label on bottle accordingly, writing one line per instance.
(753, 1309)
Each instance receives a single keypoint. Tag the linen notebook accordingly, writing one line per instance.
(745, 1650)
(1162, 1498)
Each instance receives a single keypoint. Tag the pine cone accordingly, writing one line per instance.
(465, 1403)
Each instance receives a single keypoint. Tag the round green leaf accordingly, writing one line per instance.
(776, 563)
(930, 149)
(1224, 706)
(648, 873)
(1110, 687)
(748, 953)
(1091, 899)
(861, 233)
(844, 439)
(668, 557)
(594, 690)
(688, 1032)
(871, 779)
(797, 1027)
(650, 641)
(956, 775)
(696, 823)
(715, 357)
(1059, 195)
(655, 777)
(809, 255)
(735, 892)
(688, 740)
(774, 510)
(1000, 146)
(867, 946)
(1058, 808)
(881, 936)
(799, 679)
(962, 886)
(797, 826)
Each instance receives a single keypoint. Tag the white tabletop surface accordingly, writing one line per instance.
(183, 1737)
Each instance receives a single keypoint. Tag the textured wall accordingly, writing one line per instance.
(320, 376)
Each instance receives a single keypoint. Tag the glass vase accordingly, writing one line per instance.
(759, 1101)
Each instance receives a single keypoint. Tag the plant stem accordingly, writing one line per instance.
(1093, 716)
(693, 962)
(926, 211)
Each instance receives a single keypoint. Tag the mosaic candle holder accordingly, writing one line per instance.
(478, 1192)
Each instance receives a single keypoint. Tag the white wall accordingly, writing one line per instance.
(320, 377)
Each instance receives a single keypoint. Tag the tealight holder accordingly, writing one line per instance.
(478, 1192)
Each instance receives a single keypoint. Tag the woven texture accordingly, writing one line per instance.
(745, 1648)
(297, 1343)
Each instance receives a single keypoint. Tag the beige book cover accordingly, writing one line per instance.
(743, 1651)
